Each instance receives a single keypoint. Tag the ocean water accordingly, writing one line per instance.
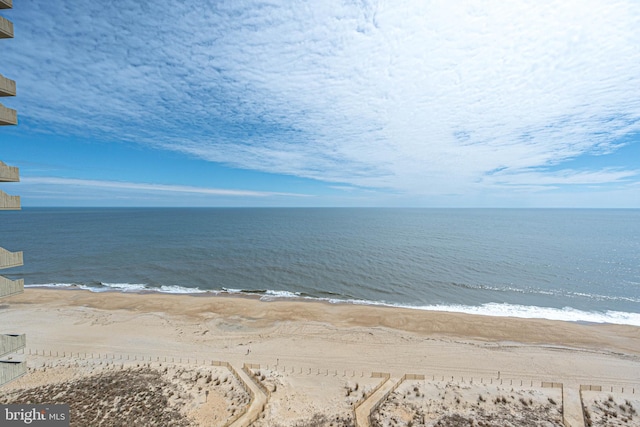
(575, 265)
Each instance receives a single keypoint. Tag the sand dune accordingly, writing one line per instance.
(315, 359)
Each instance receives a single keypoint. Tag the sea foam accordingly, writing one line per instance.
(567, 314)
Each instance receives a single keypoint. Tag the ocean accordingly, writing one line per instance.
(574, 265)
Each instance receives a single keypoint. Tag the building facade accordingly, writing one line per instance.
(10, 368)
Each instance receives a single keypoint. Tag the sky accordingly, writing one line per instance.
(324, 103)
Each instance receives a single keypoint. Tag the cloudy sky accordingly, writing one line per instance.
(324, 103)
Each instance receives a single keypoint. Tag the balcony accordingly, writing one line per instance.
(6, 4)
(11, 370)
(9, 203)
(10, 287)
(10, 343)
(6, 28)
(10, 259)
(8, 173)
(7, 86)
(8, 116)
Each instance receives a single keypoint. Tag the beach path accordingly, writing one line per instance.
(257, 404)
(363, 411)
(572, 406)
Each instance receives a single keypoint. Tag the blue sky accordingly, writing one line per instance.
(324, 103)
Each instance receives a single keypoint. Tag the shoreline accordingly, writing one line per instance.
(311, 351)
(419, 321)
(505, 310)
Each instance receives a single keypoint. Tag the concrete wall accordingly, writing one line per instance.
(10, 259)
(8, 116)
(7, 86)
(8, 173)
(10, 287)
(6, 28)
(8, 202)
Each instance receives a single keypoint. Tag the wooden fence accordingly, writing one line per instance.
(405, 377)
(244, 410)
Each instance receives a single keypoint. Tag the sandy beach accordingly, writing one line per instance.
(314, 363)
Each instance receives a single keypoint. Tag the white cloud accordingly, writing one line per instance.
(66, 185)
(417, 97)
(563, 177)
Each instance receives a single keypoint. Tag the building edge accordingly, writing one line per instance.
(10, 368)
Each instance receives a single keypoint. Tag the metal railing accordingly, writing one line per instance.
(10, 370)
(10, 343)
